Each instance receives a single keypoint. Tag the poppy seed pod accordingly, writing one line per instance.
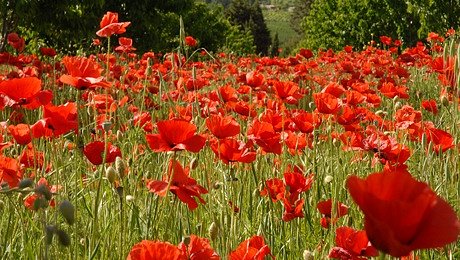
(111, 174)
(308, 255)
(63, 238)
(67, 211)
(49, 233)
(120, 166)
(213, 231)
(25, 183)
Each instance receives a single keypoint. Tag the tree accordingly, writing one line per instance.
(275, 46)
(247, 16)
(301, 10)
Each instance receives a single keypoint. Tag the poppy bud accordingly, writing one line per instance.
(120, 191)
(63, 238)
(217, 185)
(398, 105)
(68, 211)
(119, 134)
(213, 231)
(308, 255)
(444, 100)
(186, 240)
(328, 179)
(49, 233)
(381, 113)
(111, 174)
(25, 183)
(44, 191)
(40, 203)
(120, 166)
(193, 163)
(107, 125)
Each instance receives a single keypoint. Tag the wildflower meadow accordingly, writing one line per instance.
(113, 154)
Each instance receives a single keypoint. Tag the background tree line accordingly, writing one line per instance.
(230, 25)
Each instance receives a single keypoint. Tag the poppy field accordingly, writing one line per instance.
(351, 154)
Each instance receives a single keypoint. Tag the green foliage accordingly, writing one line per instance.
(334, 23)
(275, 46)
(239, 41)
(250, 17)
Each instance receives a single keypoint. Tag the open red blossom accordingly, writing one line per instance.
(288, 91)
(439, 139)
(265, 136)
(430, 105)
(402, 214)
(231, 150)
(190, 41)
(94, 151)
(50, 52)
(10, 171)
(274, 188)
(109, 25)
(255, 79)
(253, 248)
(16, 41)
(180, 184)
(126, 45)
(149, 250)
(292, 208)
(306, 122)
(23, 92)
(82, 72)
(352, 244)
(175, 135)
(222, 126)
(326, 103)
(198, 249)
(330, 216)
(21, 133)
(57, 120)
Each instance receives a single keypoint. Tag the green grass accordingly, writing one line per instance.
(278, 22)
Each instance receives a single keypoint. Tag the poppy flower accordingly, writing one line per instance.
(50, 52)
(231, 150)
(24, 92)
(82, 72)
(126, 45)
(10, 171)
(325, 208)
(402, 214)
(265, 136)
(430, 105)
(222, 126)
(175, 135)
(190, 41)
(352, 244)
(57, 120)
(440, 139)
(94, 151)
(21, 133)
(253, 248)
(16, 41)
(180, 184)
(198, 249)
(148, 250)
(326, 103)
(255, 79)
(109, 25)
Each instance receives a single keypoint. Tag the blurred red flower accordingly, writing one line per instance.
(180, 184)
(326, 103)
(253, 248)
(402, 214)
(15, 41)
(10, 171)
(94, 151)
(325, 208)
(190, 41)
(198, 249)
(430, 105)
(126, 45)
(148, 250)
(109, 25)
(352, 244)
(24, 92)
(175, 135)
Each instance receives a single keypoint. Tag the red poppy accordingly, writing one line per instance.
(198, 249)
(292, 208)
(82, 72)
(430, 105)
(274, 188)
(440, 139)
(352, 244)
(10, 171)
(50, 52)
(385, 40)
(184, 187)
(306, 122)
(175, 135)
(254, 79)
(288, 91)
(24, 92)
(94, 151)
(326, 103)
(15, 41)
(253, 248)
(402, 214)
(57, 120)
(109, 25)
(325, 208)
(157, 250)
(21, 133)
(222, 126)
(190, 41)
(126, 45)
(389, 90)
(31, 158)
(231, 150)
(265, 136)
